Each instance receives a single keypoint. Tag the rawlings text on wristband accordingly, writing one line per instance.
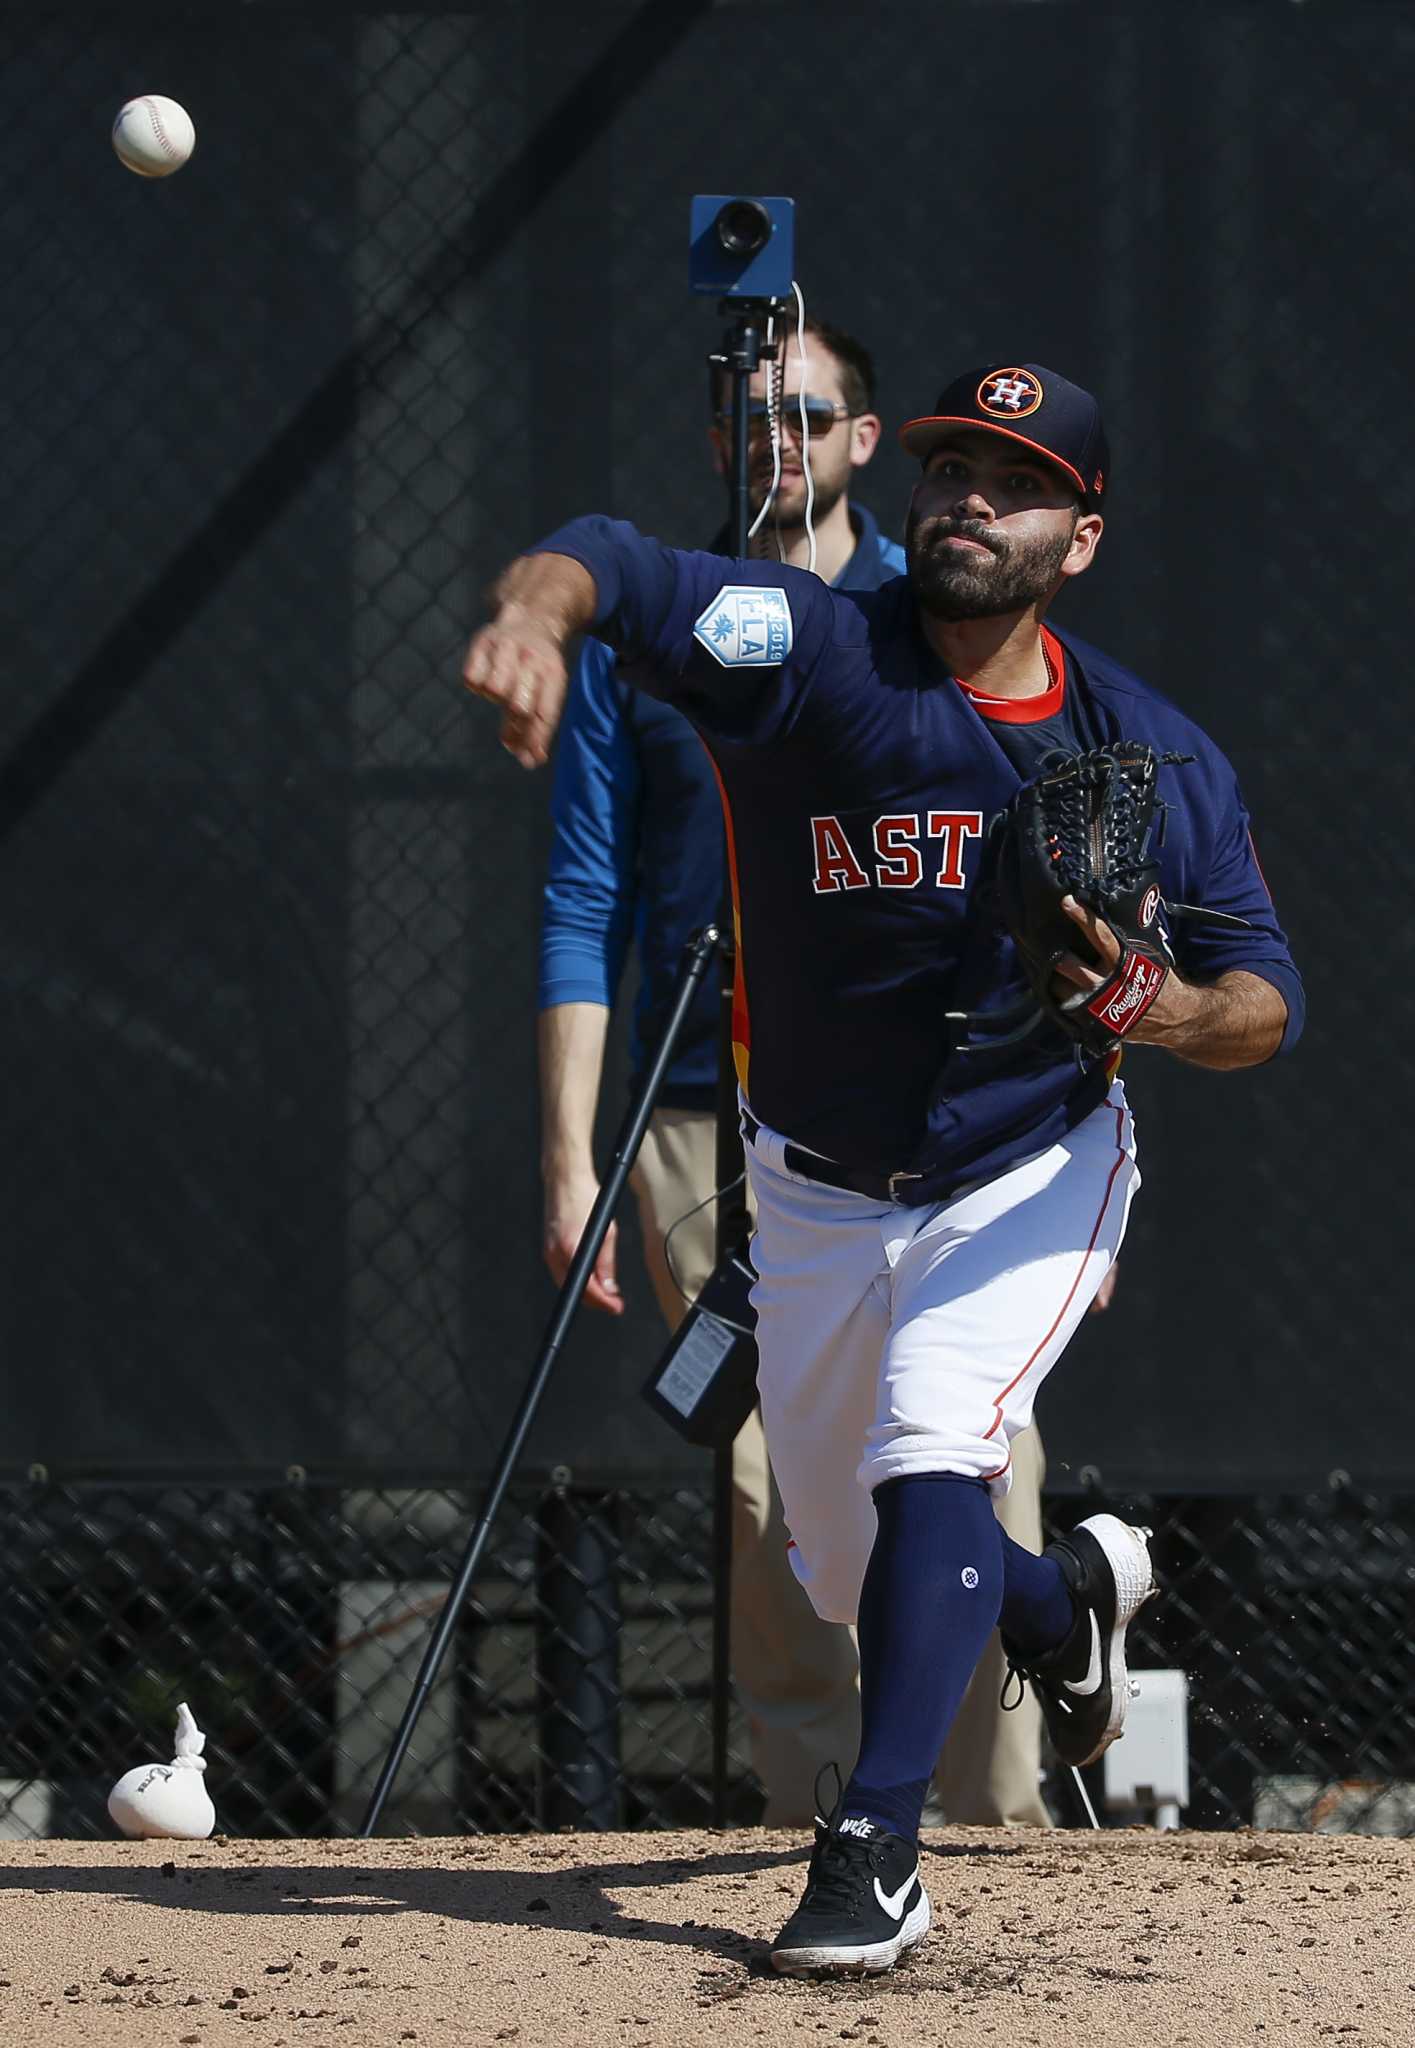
(1124, 999)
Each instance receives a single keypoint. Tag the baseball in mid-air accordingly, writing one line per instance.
(153, 135)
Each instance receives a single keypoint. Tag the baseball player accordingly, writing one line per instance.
(637, 849)
(932, 1222)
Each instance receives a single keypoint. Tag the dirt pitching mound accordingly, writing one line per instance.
(657, 1941)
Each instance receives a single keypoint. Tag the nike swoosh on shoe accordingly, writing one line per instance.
(893, 1902)
(1094, 1672)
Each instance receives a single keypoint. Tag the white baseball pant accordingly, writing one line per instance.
(896, 1341)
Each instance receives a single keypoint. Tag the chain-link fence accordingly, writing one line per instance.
(294, 1619)
(577, 1689)
(270, 1203)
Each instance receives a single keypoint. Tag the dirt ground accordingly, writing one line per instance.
(1039, 1941)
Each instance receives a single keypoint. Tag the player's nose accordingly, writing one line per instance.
(971, 504)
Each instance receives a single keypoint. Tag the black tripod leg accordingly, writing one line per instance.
(695, 964)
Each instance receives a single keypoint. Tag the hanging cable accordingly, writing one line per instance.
(805, 433)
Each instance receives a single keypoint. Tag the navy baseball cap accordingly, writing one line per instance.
(1029, 404)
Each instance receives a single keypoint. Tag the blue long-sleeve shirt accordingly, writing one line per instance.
(637, 848)
(858, 778)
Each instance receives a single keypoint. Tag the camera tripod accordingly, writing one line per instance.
(745, 347)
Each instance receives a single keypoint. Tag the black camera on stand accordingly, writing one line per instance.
(743, 251)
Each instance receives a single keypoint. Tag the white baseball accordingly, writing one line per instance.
(153, 136)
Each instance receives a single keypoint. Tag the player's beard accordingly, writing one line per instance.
(954, 583)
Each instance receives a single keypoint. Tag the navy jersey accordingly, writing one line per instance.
(858, 779)
(637, 849)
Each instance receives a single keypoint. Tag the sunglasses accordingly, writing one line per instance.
(821, 416)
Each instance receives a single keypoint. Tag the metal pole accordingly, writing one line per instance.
(577, 1659)
(698, 953)
(744, 354)
(744, 357)
(744, 351)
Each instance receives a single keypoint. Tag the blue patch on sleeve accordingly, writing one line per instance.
(746, 627)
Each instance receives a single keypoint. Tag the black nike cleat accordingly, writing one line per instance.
(1083, 1685)
(863, 1908)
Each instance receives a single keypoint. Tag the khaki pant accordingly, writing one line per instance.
(797, 1677)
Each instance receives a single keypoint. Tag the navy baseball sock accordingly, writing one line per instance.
(1037, 1608)
(932, 1590)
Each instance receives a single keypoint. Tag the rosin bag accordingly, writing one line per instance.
(167, 1800)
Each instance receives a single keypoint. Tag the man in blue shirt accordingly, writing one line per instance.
(637, 857)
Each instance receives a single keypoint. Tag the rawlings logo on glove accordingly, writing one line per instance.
(1123, 1000)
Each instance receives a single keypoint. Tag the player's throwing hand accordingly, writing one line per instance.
(516, 663)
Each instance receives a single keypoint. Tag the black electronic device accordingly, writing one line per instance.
(705, 1384)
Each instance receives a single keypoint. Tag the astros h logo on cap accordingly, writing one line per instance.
(1011, 393)
(1034, 406)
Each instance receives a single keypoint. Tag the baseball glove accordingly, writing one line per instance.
(1089, 826)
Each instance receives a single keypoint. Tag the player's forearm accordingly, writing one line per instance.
(570, 1039)
(1236, 1021)
(553, 594)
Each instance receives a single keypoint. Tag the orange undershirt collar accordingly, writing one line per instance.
(1025, 710)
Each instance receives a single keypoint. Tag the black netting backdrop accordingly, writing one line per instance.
(270, 1281)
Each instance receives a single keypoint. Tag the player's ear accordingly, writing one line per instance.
(865, 430)
(1085, 539)
(717, 446)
